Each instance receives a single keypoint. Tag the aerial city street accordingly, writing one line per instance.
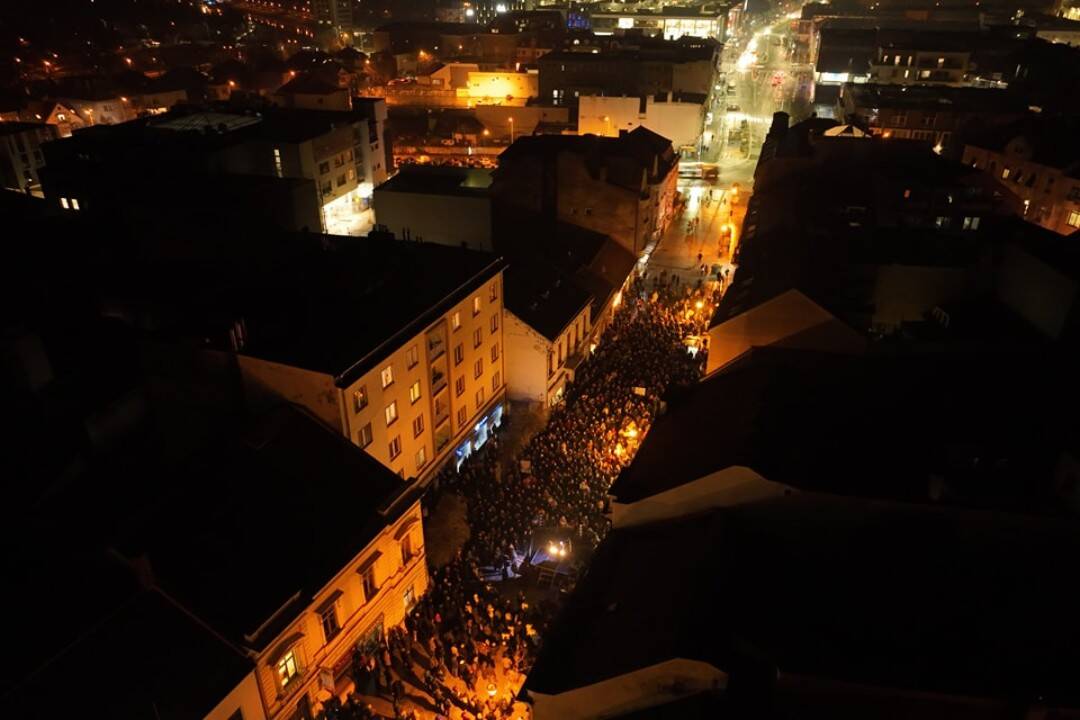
(508, 359)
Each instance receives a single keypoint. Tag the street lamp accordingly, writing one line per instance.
(511, 131)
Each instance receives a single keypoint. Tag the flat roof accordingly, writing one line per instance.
(340, 305)
(439, 180)
(271, 514)
(543, 296)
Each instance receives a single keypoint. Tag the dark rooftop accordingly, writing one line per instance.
(439, 180)
(206, 542)
(173, 667)
(543, 296)
(841, 433)
(954, 99)
(877, 593)
(337, 310)
(1053, 140)
(640, 145)
(308, 84)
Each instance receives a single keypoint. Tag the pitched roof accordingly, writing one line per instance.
(830, 587)
(206, 541)
(309, 84)
(543, 296)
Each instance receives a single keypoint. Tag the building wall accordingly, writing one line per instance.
(572, 341)
(526, 360)
(244, 698)
(921, 67)
(425, 216)
(337, 100)
(501, 85)
(1048, 197)
(679, 122)
(1035, 291)
(904, 293)
(21, 158)
(496, 118)
(264, 380)
(101, 112)
(598, 205)
(442, 430)
(357, 615)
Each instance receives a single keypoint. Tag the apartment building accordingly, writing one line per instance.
(1038, 161)
(239, 586)
(339, 156)
(415, 377)
(923, 58)
(20, 155)
(934, 114)
(622, 187)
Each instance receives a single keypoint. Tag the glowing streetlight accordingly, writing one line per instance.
(511, 131)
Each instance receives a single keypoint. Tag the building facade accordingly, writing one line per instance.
(679, 118)
(311, 657)
(430, 390)
(623, 187)
(21, 157)
(1033, 161)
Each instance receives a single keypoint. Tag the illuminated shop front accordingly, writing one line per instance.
(481, 433)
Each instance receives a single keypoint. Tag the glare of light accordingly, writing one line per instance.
(469, 12)
(500, 8)
(699, 304)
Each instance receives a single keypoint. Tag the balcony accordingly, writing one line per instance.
(438, 379)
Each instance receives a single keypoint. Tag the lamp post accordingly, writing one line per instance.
(511, 131)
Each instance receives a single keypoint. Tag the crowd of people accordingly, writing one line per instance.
(470, 639)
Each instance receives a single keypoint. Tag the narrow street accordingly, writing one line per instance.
(757, 79)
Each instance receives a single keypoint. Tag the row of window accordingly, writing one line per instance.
(290, 666)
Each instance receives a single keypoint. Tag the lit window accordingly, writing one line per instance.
(941, 222)
(476, 305)
(971, 223)
(363, 438)
(417, 425)
(64, 203)
(360, 398)
(907, 194)
(479, 398)
(459, 386)
(494, 354)
(925, 74)
(412, 357)
(421, 457)
(459, 354)
(388, 376)
(1074, 219)
(494, 323)
(329, 620)
(455, 320)
(288, 668)
(461, 416)
(1005, 173)
(391, 413)
(477, 337)
(478, 367)
(395, 447)
(414, 392)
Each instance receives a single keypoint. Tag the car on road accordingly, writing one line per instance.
(733, 108)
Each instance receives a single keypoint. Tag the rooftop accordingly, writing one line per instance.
(182, 669)
(834, 588)
(205, 541)
(543, 296)
(1049, 140)
(830, 415)
(439, 180)
(950, 99)
(330, 309)
(11, 128)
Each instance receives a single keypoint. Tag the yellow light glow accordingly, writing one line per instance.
(699, 304)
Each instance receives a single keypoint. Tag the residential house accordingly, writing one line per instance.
(21, 157)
